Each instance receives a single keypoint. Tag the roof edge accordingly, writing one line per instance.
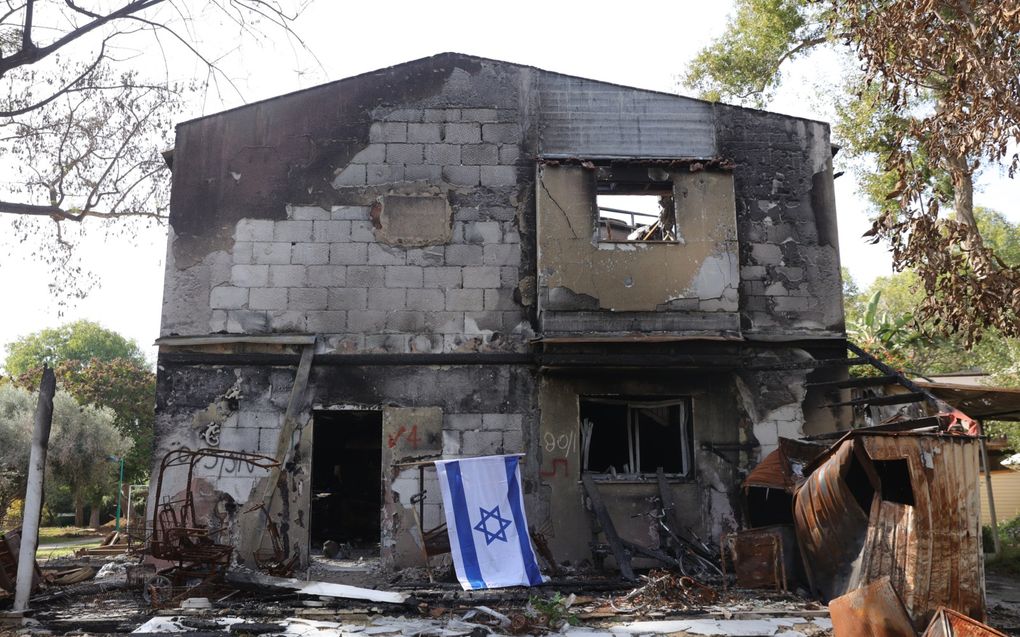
(477, 58)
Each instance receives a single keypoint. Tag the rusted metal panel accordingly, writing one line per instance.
(784, 467)
(935, 543)
(896, 505)
(762, 558)
(949, 623)
(831, 523)
(871, 611)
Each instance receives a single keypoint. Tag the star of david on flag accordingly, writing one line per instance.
(485, 518)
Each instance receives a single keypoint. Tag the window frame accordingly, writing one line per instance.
(634, 403)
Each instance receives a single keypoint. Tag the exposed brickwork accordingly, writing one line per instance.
(789, 257)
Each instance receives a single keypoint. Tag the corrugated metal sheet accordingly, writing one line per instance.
(831, 525)
(1006, 491)
(930, 547)
(594, 119)
(947, 623)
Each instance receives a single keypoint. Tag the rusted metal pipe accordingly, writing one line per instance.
(988, 486)
(34, 492)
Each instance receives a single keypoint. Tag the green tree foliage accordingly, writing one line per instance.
(744, 64)
(97, 367)
(81, 439)
(129, 391)
(76, 343)
(920, 347)
(16, 411)
(930, 96)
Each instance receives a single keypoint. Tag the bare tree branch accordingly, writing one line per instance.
(89, 70)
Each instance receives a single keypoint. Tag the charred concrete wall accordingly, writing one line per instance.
(790, 282)
(706, 499)
(459, 411)
(395, 212)
(385, 211)
(415, 211)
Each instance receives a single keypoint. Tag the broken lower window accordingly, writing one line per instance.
(635, 435)
(635, 203)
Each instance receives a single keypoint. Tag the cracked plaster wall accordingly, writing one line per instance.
(579, 272)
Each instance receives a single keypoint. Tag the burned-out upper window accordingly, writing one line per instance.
(629, 436)
(635, 203)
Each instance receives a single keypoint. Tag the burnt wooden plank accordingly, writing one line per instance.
(666, 496)
(895, 399)
(867, 381)
(608, 529)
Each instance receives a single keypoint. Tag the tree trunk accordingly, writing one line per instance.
(963, 190)
(94, 516)
(79, 511)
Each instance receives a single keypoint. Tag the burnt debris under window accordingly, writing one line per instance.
(635, 435)
(635, 203)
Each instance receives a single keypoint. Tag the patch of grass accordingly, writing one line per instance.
(44, 553)
(1008, 560)
(58, 534)
(1006, 563)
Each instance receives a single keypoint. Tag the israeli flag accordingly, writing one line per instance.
(486, 522)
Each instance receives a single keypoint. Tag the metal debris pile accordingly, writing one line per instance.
(663, 591)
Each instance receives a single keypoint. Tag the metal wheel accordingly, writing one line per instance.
(158, 590)
(694, 566)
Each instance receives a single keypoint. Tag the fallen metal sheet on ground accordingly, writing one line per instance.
(324, 589)
(949, 623)
(300, 627)
(720, 627)
(874, 610)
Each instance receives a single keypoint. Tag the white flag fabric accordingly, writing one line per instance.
(485, 519)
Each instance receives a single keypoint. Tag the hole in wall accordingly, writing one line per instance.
(895, 477)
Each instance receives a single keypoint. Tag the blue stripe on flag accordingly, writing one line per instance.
(514, 496)
(464, 538)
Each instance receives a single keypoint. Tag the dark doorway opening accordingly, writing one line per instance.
(347, 479)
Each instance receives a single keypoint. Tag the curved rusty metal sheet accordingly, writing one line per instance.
(773, 472)
(932, 549)
(831, 524)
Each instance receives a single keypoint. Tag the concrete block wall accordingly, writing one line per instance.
(338, 269)
(786, 222)
(323, 271)
(296, 247)
(464, 435)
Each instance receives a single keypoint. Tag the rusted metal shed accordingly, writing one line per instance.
(896, 504)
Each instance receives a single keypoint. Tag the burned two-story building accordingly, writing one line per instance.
(457, 257)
